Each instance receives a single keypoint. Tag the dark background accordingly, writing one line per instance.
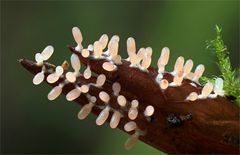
(32, 124)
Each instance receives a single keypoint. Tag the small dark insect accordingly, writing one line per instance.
(230, 97)
(175, 121)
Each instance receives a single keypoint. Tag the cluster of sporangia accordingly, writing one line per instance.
(140, 60)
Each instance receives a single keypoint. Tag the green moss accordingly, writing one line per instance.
(231, 81)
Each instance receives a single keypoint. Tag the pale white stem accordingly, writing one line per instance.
(132, 140)
(52, 78)
(59, 70)
(130, 126)
(149, 111)
(100, 80)
(38, 78)
(146, 62)
(192, 96)
(198, 72)
(55, 92)
(77, 35)
(163, 84)
(148, 52)
(98, 49)
(218, 87)
(84, 88)
(85, 53)
(177, 80)
(113, 48)
(178, 67)
(206, 90)
(87, 73)
(163, 59)
(140, 55)
(93, 99)
(134, 103)
(132, 113)
(161, 69)
(85, 111)
(71, 77)
(115, 37)
(188, 67)
(73, 94)
(121, 100)
(90, 47)
(131, 46)
(75, 62)
(117, 60)
(116, 87)
(159, 77)
(108, 66)
(115, 119)
(190, 76)
(47, 52)
(103, 40)
(104, 96)
(38, 58)
(102, 117)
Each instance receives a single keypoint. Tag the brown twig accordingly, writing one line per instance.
(177, 126)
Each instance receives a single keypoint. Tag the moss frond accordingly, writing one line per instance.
(231, 81)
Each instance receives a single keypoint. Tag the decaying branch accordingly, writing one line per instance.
(169, 111)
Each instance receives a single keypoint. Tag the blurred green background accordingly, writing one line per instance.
(32, 124)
